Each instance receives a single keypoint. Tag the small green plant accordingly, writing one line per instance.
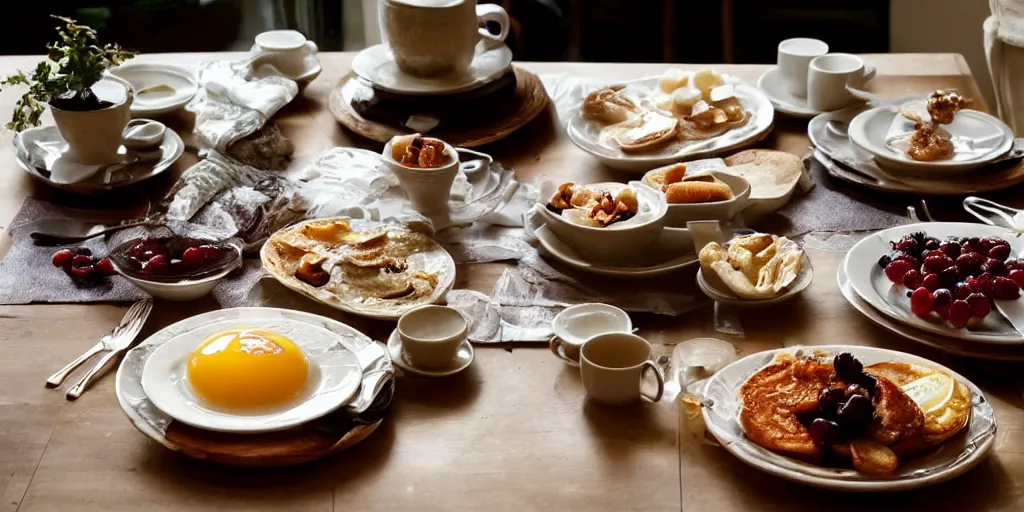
(74, 63)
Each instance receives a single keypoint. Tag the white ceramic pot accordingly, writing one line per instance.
(94, 136)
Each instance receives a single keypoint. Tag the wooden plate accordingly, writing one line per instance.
(484, 115)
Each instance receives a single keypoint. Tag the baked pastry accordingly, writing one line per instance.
(697, 192)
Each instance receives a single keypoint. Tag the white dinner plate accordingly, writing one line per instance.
(586, 134)
(334, 375)
(672, 251)
(177, 86)
(979, 139)
(870, 283)
(377, 65)
(727, 297)
(944, 343)
(953, 458)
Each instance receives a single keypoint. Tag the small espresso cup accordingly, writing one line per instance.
(612, 367)
(793, 59)
(431, 38)
(574, 325)
(431, 335)
(428, 189)
(827, 79)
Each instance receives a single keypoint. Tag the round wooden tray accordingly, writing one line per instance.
(516, 109)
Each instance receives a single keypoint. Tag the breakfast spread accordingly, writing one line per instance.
(829, 409)
(754, 267)
(243, 370)
(418, 151)
(680, 188)
(929, 142)
(591, 207)
(687, 106)
(954, 279)
(331, 260)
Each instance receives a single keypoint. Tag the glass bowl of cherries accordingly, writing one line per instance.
(175, 268)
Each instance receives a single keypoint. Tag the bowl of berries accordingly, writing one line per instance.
(955, 279)
(175, 268)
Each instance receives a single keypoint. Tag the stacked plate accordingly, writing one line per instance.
(319, 386)
(861, 145)
(864, 284)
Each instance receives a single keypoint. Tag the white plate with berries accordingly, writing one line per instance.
(955, 279)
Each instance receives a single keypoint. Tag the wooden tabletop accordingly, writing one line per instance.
(513, 432)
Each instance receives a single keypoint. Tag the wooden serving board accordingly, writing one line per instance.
(468, 120)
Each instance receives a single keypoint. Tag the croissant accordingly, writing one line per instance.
(697, 192)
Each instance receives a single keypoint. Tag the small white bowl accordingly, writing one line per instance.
(617, 243)
(678, 214)
(181, 291)
(428, 188)
(143, 134)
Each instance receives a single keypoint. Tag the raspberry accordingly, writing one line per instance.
(104, 267)
(192, 257)
(931, 281)
(912, 279)
(999, 252)
(980, 306)
(895, 270)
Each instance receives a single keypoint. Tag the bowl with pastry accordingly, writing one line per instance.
(603, 222)
(426, 168)
(850, 418)
(652, 122)
(937, 135)
(755, 270)
(707, 195)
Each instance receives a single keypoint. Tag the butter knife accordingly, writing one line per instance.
(116, 343)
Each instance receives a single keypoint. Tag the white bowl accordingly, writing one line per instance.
(181, 291)
(618, 242)
(145, 75)
(678, 214)
(428, 188)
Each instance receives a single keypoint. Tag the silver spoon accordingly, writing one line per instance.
(62, 231)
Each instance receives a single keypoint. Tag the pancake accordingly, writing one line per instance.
(897, 417)
(771, 173)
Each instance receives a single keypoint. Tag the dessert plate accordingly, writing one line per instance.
(868, 280)
(377, 65)
(463, 358)
(944, 343)
(979, 139)
(771, 83)
(159, 88)
(43, 153)
(672, 251)
(334, 377)
(803, 280)
(953, 458)
(586, 134)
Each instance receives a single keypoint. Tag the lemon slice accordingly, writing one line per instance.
(930, 393)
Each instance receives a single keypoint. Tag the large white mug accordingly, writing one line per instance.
(827, 79)
(432, 38)
(793, 58)
(612, 367)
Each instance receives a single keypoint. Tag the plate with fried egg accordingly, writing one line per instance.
(250, 375)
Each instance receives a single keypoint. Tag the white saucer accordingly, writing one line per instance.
(803, 280)
(377, 65)
(463, 358)
(146, 75)
(673, 250)
(787, 103)
(334, 377)
(39, 151)
(870, 129)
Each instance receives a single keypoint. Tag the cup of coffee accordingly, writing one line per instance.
(827, 79)
(612, 367)
(793, 59)
(576, 324)
(431, 38)
(431, 335)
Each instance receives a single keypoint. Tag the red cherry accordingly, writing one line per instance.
(937, 262)
(970, 261)
(952, 249)
(912, 279)
(62, 258)
(995, 267)
(1003, 288)
(104, 267)
(81, 260)
(921, 302)
(931, 281)
(941, 300)
(156, 265)
(192, 257)
(985, 281)
(959, 313)
(82, 272)
(210, 253)
(980, 306)
(895, 270)
(1018, 277)
(999, 252)
(961, 291)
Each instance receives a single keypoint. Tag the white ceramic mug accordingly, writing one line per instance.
(574, 325)
(612, 367)
(432, 38)
(94, 136)
(793, 59)
(432, 335)
(428, 189)
(827, 78)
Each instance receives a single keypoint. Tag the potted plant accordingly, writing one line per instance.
(89, 106)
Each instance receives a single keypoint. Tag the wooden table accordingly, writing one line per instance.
(513, 432)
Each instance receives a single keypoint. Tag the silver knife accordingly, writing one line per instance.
(117, 342)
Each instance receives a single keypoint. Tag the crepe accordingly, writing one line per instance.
(754, 267)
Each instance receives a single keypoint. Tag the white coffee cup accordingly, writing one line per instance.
(428, 189)
(432, 38)
(793, 58)
(612, 366)
(576, 324)
(432, 335)
(827, 78)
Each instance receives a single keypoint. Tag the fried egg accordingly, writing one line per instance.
(247, 369)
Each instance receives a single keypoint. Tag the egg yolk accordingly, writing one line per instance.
(247, 369)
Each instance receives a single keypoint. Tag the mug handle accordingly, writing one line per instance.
(553, 344)
(869, 72)
(649, 365)
(492, 12)
(482, 162)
